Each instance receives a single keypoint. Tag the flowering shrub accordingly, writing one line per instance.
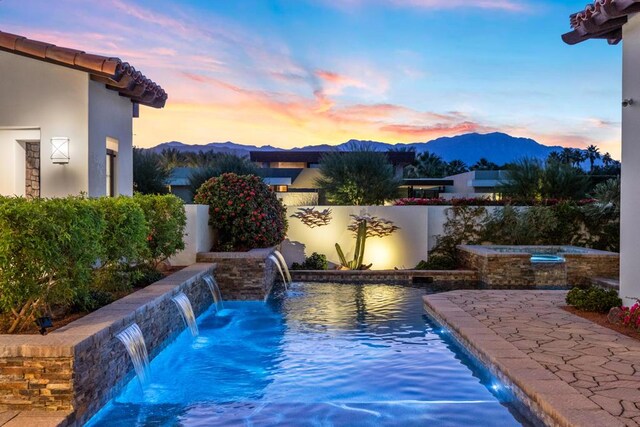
(481, 201)
(629, 316)
(245, 213)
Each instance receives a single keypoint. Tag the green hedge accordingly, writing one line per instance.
(62, 251)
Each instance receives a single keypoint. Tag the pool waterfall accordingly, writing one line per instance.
(186, 311)
(133, 341)
(215, 292)
(283, 263)
(277, 264)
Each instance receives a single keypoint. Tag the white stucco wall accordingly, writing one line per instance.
(630, 231)
(110, 115)
(403, 249)
(57, 101)
(198, 236)
(51, 99)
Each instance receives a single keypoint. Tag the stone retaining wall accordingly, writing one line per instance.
(450, 277)
(81, 366)
(243, 275)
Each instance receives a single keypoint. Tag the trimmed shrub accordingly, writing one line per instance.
(245, 213)
(166, 220)
(593, 298)
(47, 251)
(314, 262)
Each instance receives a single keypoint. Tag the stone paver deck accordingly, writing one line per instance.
(575, 371)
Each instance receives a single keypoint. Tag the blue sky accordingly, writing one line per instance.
(297, 72)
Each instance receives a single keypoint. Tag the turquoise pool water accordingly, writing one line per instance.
(321, 355)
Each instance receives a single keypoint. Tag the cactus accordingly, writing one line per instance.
(358, 255)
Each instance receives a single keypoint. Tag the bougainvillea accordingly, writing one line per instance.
(245, 213)
(627, 316)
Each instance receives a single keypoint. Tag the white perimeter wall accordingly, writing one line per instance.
(630, 219)
(403, 249)
(198, 236)
(52, 100)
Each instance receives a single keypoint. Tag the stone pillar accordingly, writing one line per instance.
(32, 169)
(630, 215)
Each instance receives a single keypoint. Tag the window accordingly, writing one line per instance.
(111, 166)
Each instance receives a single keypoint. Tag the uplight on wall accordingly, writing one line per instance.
(60, 150)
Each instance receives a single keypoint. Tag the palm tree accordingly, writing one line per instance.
(555, 156)
(357, 178)
(566, 155)
(593, 153)
(456, 166)
(606, 159)
(525, 179)
(484, 165)
(577, 157)
(427, 165)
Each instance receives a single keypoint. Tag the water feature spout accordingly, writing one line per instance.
(186, 311)
(215, 292)
(283, 264)
(277, 263)
(133, 341)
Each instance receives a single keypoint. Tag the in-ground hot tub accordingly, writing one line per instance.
(538, 266)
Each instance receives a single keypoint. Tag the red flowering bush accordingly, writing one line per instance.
(245, 213)
(629, 316)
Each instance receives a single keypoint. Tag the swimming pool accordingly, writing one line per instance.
(321, 355)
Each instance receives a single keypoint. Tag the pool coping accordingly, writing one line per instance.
(552, 400)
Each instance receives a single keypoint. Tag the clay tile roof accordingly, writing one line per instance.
(602, 19)
(113, 72)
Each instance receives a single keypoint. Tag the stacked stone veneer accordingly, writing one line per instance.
(79, 367)
(32, 169)
(243, 275)
(450, 277)
(514, 269)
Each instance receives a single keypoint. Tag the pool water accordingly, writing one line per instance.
(321, 355)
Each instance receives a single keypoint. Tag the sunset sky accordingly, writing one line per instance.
(298, 72)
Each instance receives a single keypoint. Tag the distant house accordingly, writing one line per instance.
(66, 119)
(475, 184)
(292, 174)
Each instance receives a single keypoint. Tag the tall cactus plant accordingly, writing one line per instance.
(358, 255)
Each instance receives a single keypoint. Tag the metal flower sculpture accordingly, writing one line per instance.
(313, 218)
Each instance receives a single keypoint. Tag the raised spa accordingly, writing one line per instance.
(323, 354)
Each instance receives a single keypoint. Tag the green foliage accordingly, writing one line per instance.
(166, 219)
(150, 176)
(593, 298)
(244, 211)
(602, 218)
(47, 251)
(221, 164)
(314, 262)
(427, 165)
(464, 226)
(357, 178)
(530, 178)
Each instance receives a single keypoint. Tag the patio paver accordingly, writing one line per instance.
(577, 371)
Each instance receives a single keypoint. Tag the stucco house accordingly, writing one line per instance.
(614, 21)
(66, 119)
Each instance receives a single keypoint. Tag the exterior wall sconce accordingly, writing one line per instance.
(627, 102)
(60, 150)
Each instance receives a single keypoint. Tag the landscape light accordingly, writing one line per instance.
(60, 150)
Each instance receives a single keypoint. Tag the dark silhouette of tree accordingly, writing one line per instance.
(217, 165)
(484, 165)
(455, 167)
(150, 175)
(426, 165)
(357, 178)
(592, 154)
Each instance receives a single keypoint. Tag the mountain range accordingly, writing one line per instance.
(497, 147)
